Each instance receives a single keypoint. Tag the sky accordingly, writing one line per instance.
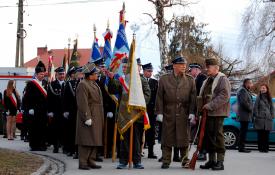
(52, 24)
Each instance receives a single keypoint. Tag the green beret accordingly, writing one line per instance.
(211, 61)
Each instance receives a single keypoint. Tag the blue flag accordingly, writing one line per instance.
(107, 50)
(95, 55)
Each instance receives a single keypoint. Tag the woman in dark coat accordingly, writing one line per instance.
(263, 114)
(12, 104)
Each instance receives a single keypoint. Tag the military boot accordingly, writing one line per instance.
(218, 166)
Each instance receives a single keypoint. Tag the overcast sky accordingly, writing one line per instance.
(52, 25)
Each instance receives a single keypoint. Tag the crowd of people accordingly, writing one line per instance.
(77, 114)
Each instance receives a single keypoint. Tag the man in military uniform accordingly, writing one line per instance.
(195, 71)
(150, 133)
(116, 87)
(176, 103)
(215, 93)
(55, 109)
(35, 102)
(70, 110)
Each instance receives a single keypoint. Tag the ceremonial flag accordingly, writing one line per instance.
(121, 48)
(65, 61)
(75, 56)
(95, 54)
(107, 50)
(132, 104)
(51, 74)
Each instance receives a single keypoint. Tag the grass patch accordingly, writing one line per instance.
(18, 163)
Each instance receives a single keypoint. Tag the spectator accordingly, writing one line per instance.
(263, 113)
(12, 103)
(244, 112)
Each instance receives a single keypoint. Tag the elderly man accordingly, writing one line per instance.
(215, 93)
(176, 103)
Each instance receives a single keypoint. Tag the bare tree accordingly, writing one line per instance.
(163, 24)
(259, 32)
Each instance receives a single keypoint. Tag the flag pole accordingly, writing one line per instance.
(114, 138)
(131, 147)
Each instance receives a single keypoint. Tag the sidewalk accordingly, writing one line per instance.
(254, 163)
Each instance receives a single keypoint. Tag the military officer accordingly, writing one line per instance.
(35, 103)
(55, 110)
(215, 93)
(90, 118)
(176, 103)
(150, 133)
(70, 109)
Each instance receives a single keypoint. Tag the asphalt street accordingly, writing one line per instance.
(254, 163)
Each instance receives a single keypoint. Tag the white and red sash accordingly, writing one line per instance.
(13, 100)
(40, 87)
(124, 84)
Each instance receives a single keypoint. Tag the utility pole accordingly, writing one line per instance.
(20, 35)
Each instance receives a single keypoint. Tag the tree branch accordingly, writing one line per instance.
(153, 19)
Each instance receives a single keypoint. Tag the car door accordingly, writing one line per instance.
(272, 133)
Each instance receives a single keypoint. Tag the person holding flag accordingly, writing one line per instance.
(132, 108)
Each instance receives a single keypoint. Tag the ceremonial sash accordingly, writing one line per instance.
(40, 87)
(13, 100)
(124, 84)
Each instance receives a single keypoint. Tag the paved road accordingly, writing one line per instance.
(254, 163)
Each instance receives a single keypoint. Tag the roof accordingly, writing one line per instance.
(58, 55)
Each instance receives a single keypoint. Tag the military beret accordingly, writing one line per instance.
(147, 66)
(60, 70)
(89, 68)
(179, 60)
(211, 61)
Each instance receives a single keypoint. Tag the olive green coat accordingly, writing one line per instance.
(176, 99)
(89, 106)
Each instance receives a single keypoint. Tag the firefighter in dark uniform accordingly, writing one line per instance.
(35, 103)
(55, 110)
(109, 106)
(70, 110)
(195, 71)
(150, 133)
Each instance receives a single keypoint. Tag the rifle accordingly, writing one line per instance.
(193, 161)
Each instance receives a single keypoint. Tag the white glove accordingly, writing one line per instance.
(50, 114)
(110, 115)
(159, 118)
(88, 122)
(8, 113)
(31, 112)
(66, 115)
(192, 119)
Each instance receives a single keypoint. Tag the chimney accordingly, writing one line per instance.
(42, 50)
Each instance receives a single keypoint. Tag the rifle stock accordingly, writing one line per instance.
(193, 161)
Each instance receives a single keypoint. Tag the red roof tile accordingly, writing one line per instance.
(58, 55)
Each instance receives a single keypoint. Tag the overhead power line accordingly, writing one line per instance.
(58, 3)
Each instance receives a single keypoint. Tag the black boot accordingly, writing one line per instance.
(176, 157)
(218, 166)
(208, 165)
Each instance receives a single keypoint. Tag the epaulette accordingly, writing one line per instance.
(189, 76)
